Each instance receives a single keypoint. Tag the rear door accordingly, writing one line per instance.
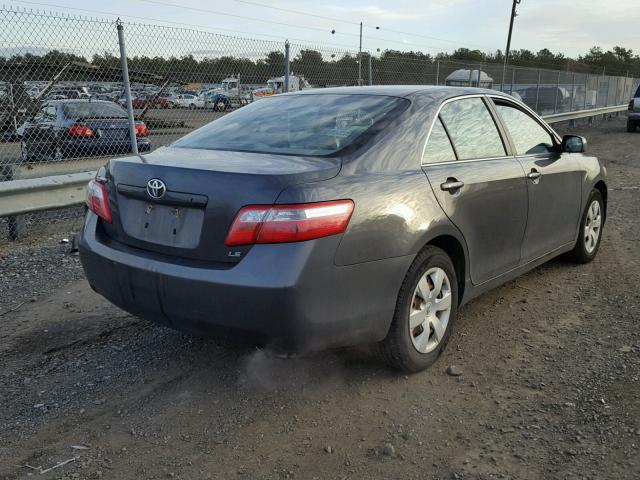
(480, 188)
(554, 181)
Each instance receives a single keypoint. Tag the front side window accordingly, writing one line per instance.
(438, 147)
(318, 125)
(528, 135)
(472, 130)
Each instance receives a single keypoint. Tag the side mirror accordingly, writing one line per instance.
(574, 144)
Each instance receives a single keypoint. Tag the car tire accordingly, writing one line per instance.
(221, 106)
(411, 346)
(631, 126)
(192, 106)
(587, 245)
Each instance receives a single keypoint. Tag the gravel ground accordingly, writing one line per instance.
(549, 384)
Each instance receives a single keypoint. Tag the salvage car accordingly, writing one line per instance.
(79, 128)
(347, 216)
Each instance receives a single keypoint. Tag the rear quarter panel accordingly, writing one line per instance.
(395, 212)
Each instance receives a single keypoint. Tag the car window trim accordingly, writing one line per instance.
(453, 147)
(508, 133)
(525, 109)
(437, 115)
(510, 146)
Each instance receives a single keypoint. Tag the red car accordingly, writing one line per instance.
(164, 102)
(140, 102)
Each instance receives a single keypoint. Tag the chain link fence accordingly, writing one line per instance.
(63, 105)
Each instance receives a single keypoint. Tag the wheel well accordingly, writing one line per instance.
(454, 250)
(602, 188)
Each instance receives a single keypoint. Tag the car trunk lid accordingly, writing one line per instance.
(107, 128)
(203, 191)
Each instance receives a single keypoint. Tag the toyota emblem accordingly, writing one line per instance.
(156, 188)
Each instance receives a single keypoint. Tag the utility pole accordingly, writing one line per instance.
(333, 31)
(506, 53)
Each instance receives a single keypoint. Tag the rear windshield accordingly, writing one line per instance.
(93, 110)
(321, 124)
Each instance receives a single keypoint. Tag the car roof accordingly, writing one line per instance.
(398, 90)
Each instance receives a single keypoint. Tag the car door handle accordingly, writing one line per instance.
(451, 185)
(534, 175)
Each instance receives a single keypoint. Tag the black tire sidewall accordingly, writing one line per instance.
(411, 359)
(581, 252)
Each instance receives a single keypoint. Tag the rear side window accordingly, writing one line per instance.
(438, 147)
(527, 134)
(88, 109)
(317, 125)
(472, 129)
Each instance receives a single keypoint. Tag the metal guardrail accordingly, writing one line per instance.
(59, 191)
(593, 112)
(46, 193)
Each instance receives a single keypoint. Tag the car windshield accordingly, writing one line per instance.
(312, 124)
(93, 110)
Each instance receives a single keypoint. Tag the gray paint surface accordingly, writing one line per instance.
(337, 290)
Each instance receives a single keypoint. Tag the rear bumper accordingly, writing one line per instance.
(291, 296)
(634, 116)
(83, 147)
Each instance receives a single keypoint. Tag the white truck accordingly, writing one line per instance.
(276, 85)
(227, 95)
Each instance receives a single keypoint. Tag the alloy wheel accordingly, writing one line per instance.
(430, 310)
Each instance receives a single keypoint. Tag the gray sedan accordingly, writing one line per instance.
(342, 216)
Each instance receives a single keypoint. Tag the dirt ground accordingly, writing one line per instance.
(550, 384)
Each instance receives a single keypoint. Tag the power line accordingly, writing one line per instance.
(182, 24)
(298, 12)
(242, 17)
(333, 19)
(274, 22)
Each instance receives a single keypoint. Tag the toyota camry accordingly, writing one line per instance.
(342, 216)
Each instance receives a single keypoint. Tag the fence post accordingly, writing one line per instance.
(127, 88)
(586, 87)
(573, 91)
(286, 66)
(6, 174)
(538, 89)
(513, 79)
(370, 70)
(470, 75)
(555, 105)
(437, 72)
(479, 73)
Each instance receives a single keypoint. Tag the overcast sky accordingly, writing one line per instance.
(568, 26)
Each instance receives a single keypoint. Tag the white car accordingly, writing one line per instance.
(188, 101)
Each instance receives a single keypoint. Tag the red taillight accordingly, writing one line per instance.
(77, 130)
(289, 223)
(98, 201)
(141, 130)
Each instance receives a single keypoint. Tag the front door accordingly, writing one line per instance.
(480, 188)
(39, 132)
(554, 182)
